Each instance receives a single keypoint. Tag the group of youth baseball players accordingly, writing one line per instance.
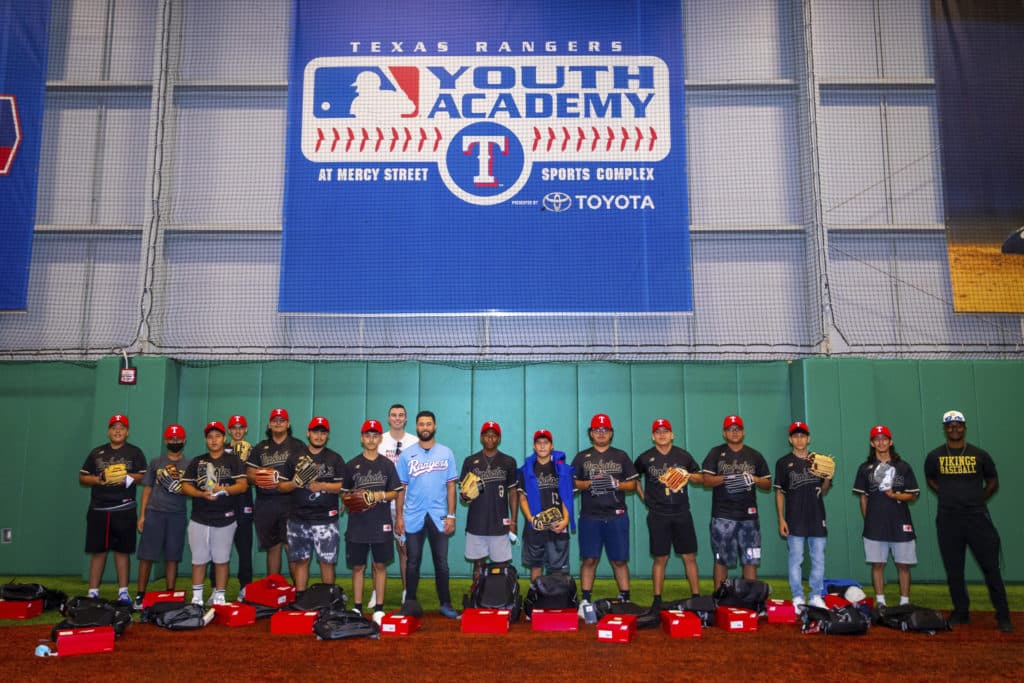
(409, 486)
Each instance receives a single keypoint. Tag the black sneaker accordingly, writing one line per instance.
(958, 619)
(1007, 626)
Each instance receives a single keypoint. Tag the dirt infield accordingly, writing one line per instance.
(441, 652)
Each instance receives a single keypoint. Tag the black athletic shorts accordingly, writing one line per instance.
(271, 520)
(356, 554)
(110, 531)
(669, 532)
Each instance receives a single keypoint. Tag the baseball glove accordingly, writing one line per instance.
(545, 518)
(358, 500)
(207, 478)
(674, 479)
(738, 483)
(822, 465)
(241, 449)
(305, 470)
(603, 484)
(170, 478)
(267, 478)
(883, 475)
(113, 475)
(471, 486)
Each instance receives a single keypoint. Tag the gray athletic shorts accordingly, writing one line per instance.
(210, 543)
(877, 552)
(498, 548)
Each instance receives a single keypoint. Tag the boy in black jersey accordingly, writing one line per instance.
(799, 502)
(492, 514)
(669, 521)
(313, 513)
(111, 520)
(371, 530)
(211, 480)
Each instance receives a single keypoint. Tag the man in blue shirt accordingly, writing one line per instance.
(426, 507)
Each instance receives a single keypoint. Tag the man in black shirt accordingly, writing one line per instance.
(964, 477)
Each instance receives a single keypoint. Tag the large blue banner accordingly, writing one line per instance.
(23, 38)
(467, 157)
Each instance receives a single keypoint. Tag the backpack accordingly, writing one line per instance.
(339, 624)
(176, 616)
(838, 621)
(497, 587)
(737, 592)
(701, 605)
(83, 612)
(25, 592)
(262, 611)
(551, 591)
(321, 596)
(911, 618)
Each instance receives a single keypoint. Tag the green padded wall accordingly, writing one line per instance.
(55, 412)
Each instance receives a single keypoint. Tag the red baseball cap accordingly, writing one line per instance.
(123, 419)
(491, 425)
(174, 432)
(279, 412)
(601, 421)
(799, 426)
(732, 421)
(319, 423)
(880, 430)
(661, 423)
(542, 434)
(372, 426)
(237, 420)
(219, 426)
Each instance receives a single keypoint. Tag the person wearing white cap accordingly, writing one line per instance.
(964, 478)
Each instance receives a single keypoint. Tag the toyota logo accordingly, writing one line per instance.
(556, 202)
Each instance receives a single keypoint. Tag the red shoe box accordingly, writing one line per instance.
(680, 624)
(555, 620)
(292, 621)
(616, 628)
(235, 614)
(20, 609)
(151, 598)
(271, 591)
(395, 624)
(477, 620)
(83, 641)
(832, 601)
(735, 619)
(782, 612)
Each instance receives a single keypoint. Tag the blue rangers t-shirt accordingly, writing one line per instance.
(425, 474)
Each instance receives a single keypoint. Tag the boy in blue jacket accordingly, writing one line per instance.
(546, 486)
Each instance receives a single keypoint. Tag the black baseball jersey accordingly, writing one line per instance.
(805, 508)
(613, 462)
(960, 476)
(315, 507)
(652, 464)
(243, 449)
(267, 453)
(488, 514)
(111, 498)
(887, 519)
(222, 510)
(723, 461)
(372, 525)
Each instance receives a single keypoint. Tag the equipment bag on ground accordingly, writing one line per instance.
(176, 616)
(497, 587)
(551, 591)
(321, 596)
(84, 612)
(911, 618)
(839, 621)
(339, 624)
(737, 592)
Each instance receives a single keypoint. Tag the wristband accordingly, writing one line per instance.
(450, 515)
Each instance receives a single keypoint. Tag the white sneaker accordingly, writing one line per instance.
(218, 598)
(356, 611)
(197, 600)
(241, 595)
(798, 603)
(817, 601)
(378, 616)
